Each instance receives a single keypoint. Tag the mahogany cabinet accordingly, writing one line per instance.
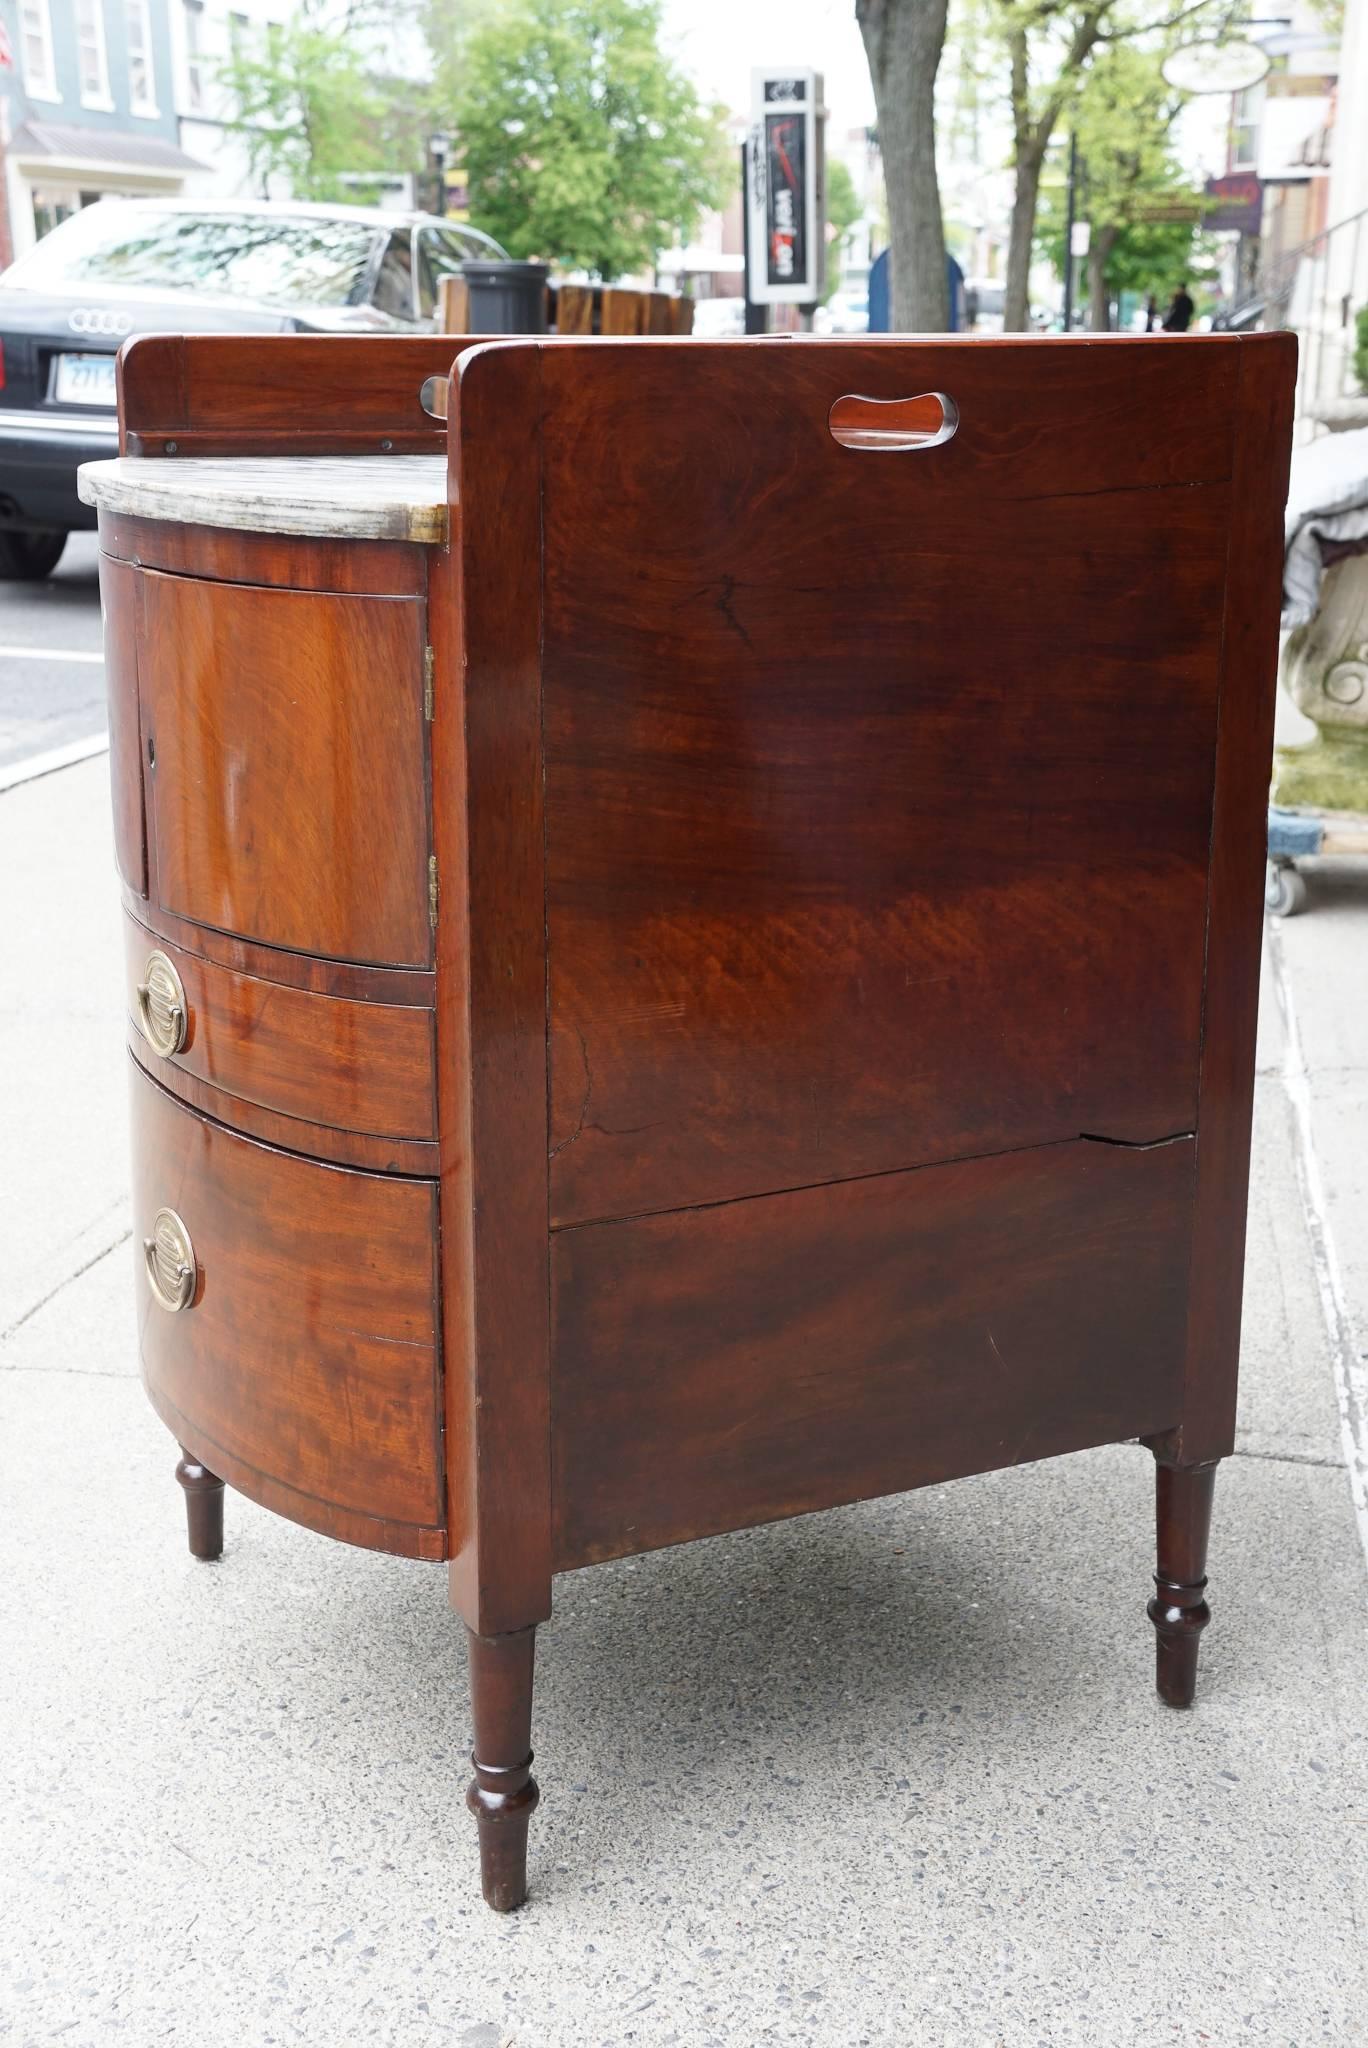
(692, 921)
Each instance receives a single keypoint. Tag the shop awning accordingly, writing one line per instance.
(100, 149)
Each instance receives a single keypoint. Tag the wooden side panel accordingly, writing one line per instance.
(288, 801)
(309, 1355)
(736, 1364)
(491, 996)
(1235, 913)
(303, 394)
(355, 1065)
(879, 785)
(119, 602)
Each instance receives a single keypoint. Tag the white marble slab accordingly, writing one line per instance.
(352, 497)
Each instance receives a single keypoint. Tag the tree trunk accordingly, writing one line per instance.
(1033, 133)
(903, 40)
(1099, 298)
(1016, 309)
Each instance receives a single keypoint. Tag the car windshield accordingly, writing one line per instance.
(275, 259)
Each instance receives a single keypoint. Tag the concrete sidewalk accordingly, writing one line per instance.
(892, 1775)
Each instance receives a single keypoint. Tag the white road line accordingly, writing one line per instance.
(1350, 1365)
(48, 654)
(54, 758)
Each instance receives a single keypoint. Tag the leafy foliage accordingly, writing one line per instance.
(1361, 347)
(307, 107)
(582, 141)
(843, 210)
(1123, 118)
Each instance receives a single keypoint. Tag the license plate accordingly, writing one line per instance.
(85, 380)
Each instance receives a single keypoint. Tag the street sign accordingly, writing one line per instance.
(1080, 238)
(1234, 204)
(785, 198)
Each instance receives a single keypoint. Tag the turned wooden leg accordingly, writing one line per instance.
(1179, 1610)
(503, 1791)
(203, 1506)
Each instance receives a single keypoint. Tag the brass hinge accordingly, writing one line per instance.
(429, 666)
(432, 890)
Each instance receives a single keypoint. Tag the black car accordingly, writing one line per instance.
(142, 266)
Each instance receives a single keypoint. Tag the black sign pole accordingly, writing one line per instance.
(1071, 209)
(757, 317)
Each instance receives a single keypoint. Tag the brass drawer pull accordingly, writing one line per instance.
(171, 1270)
(162, 1010)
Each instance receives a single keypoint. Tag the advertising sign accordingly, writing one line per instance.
(1235, 204)
(785, 188)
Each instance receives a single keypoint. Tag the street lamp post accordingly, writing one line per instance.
(439, 149)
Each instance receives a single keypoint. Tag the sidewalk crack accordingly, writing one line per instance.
(62, 1285)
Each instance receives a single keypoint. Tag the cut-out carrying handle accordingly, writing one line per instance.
(891, 426)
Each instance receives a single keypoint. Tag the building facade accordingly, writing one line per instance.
(118, 96)
(87, 106)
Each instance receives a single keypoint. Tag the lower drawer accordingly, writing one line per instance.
(288, 1325)
(719, 1367)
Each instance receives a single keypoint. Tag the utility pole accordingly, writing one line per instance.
(1069, 234)
(757, 317)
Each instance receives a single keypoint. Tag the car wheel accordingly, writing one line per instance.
(29, 557)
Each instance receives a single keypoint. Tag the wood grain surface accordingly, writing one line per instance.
(878, 785)
(415, 1157)
(266, 394)
(735, 1364)
(310, 1353)
(355, 1065)
(289, 797)
(491, 999)
(1235, 906)
(360, 568)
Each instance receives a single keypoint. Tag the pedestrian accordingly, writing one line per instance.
(1178, 318)
(1151, 313)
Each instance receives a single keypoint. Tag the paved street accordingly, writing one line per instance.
(51, 672)
(893, 1777)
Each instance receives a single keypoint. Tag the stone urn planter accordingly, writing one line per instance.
(1325, 672)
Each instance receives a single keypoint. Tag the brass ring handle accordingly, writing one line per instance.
(162, 1010)
(172, 1273)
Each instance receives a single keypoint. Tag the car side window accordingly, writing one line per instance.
(394, 286)
(440, 254)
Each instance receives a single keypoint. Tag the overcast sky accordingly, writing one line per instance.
(721, 41)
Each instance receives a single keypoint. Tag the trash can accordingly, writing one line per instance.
(506, 298)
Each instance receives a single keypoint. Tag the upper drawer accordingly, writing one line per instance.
(285, 752)
(355, 1066)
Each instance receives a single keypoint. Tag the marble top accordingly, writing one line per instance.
(352, 497)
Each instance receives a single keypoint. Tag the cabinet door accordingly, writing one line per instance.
(287, 777)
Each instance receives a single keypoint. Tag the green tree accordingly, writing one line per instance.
(1050, 47)
(582, 141)
(1141, 209)
(306, 107)
(842, 211)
